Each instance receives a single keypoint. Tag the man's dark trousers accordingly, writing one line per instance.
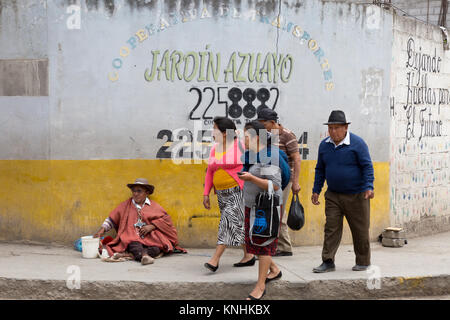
(137, 249)
(356, 210)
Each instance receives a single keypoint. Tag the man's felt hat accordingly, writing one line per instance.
(266, 114)
(337, 117)
(142, 182)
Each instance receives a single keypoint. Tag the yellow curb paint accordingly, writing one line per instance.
(412, 282)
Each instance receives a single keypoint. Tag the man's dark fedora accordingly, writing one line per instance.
(337, 117)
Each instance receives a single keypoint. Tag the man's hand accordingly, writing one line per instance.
(315, 199)
(206, 202)
(99, 233)
(369, 194)
(146, 229)
(295, 188)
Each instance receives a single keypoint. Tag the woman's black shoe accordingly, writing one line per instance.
(253, 298)
(249, 263)
(278, 276)
(211, 267)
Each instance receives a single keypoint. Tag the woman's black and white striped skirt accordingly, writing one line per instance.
(231, 226)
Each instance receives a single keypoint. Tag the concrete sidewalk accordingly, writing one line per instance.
(420, 268)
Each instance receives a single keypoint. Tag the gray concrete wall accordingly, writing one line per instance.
(420, 117)
(76, 84)
(24, 81)
(351, 72)
(103, 103)
(23, 50)
(23, 29)
(24, 128)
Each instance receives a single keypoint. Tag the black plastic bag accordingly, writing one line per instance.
(296, 217)
(265, 217)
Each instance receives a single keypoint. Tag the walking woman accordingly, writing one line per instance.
(223, 165)
(256, 181)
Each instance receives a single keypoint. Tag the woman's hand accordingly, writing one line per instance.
(295, 188)
(206, 202)
(260, 182)
(246, 176)
(146, 230)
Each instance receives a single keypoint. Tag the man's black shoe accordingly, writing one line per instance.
(358, 267)
(325, 267)
(283, 254)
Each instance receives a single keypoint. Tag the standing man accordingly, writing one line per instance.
(287, 141)
(344, 161)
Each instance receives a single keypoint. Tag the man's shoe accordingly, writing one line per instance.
(283, 254)
(358, 267)
(325, 267)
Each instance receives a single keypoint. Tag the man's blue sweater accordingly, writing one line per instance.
(347, 168)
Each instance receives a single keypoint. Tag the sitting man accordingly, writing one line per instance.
(143, 228)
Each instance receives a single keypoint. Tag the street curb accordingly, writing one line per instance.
(389, 287)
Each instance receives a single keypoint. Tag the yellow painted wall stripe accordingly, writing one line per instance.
(61, 200)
